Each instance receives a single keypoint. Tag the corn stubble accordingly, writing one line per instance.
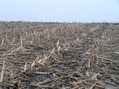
(59, 55)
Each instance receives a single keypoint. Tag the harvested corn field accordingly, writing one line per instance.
(35, 55)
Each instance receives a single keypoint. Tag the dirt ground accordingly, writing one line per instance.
(37, 55)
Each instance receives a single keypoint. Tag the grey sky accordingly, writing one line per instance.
(60, 10)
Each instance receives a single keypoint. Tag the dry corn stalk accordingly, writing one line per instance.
(25, 66)
(2, 72)
(3, 41)
(33, 64)
(94, 55)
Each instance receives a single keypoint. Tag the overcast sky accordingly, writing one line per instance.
(60, 10)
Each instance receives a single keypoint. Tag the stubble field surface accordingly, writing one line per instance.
(37, 55)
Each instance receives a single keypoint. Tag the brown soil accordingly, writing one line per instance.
(59, 55)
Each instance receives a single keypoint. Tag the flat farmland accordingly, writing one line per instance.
(39, 55)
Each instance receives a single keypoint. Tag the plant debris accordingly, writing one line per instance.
(35, 55)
